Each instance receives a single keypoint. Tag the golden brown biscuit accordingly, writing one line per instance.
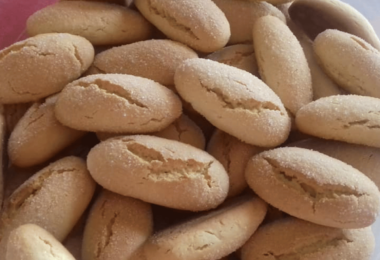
(315, 187)
(292, 238)
(199, 24)
(282, 62)
(49, 62)
(348, 118)
(351, 62)
(159, 171)
(100, 23)
(315, 16)
(243, 14)
(153, 59)
(210, 236)
(39, 136)
(117, 103)
(31, 242)
(116, 227)
(364, 158)
(229, 97)
(54, 198)
(233, 155)
(240, 56)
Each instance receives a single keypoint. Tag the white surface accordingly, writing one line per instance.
(371, 10)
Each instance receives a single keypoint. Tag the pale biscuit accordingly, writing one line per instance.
(348, 118)
(292, 238)
(210, 236)
(153, 59)
(315, 187)
(31, 242)
(199, 24)
(351, 62)
(230, 97)
(116, 227)
(159, 171)
(233, 155)
(117, 103)
(282, 62)
(100, 23)
(315, 16)
(38, 136)
(54, 198)
(364, 158)
(240, 56)
(49, 62)
(243, 14)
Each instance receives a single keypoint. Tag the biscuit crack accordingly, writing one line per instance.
(250, 105)
(105, 241)
(16, 48)
(170, 19)
(179, 129)
(364, 123)
(305, 250)
(315, 194)
(19, 92)
(49, 245)
(77, 56)
(237, 58)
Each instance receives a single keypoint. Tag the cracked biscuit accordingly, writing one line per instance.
(316, 16)
(233, 154)
(54, 198)
(291, 238)
(31, 242)
(282, 62)
(159, 171)
(348, 118)
(212, 235)
(243, 14)
(350, 61)
(117, 103)
(38, 136)
(315, 187)
(49, 62)
(229, 97)
(153, 59)
(100, 23)
(116, 227)
(240, 56)
(200, 24)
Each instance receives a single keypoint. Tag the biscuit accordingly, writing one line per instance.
(153, 59)
(13, 113)
(200, 24)
(240, 56)
(242, 15)
(315, 187)
(74, 240)
(315, 16)
(49, 62)
(210, 236)
(117, 103)
(292, 238)
(31, 242)
(329, 118)
(100, 23)
(233, 155)
(229, 97)
(116, 227)
(54, 199)
(351, 62)
(39, 136)
(159, 171)
(282, 62)
(364, 158)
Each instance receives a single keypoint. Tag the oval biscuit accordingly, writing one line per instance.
(229, 97)
(314, 187)
(49, 62)
(159, 171)
(117, 103)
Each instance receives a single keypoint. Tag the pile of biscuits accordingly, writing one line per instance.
(191, 130)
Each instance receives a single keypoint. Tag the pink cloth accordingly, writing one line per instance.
(13, 16)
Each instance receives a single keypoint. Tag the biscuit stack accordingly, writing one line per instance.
(191, 130)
